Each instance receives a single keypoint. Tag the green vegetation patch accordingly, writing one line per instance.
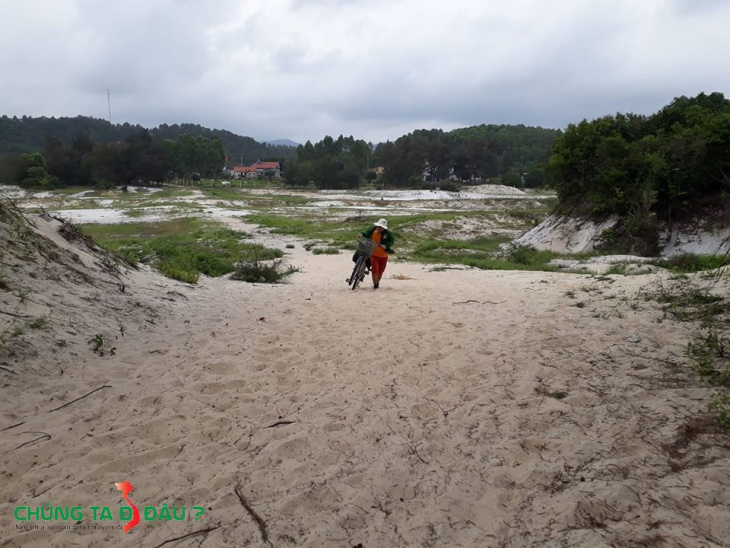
(268, 272)
(688, 262)
(338, 233)
(181, 249)
(686, 302)
(262, 200)
(166, 193)
(483, 253)
(326, 251)
(709, 352)
(343, 232)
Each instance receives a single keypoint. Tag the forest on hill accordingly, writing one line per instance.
(139, 159)
(512, 155)
(85, 151)
(27, 135)
(669, 166)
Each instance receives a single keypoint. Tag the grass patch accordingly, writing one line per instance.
(181, 249)
(688, 262)
(257, 200)
(616, 269)
(210, 184)
(312, 228)
(629, 269)
(710, 356)
(326, 251)
(687, 302)
(167, 193)
(721, 405)
(340, 233)
(150, 203)
(709, 353)
(343, 232)
(709, 350)
(484, 253)
(38, 323)
(67, 191)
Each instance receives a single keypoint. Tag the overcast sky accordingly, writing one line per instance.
(374, 69)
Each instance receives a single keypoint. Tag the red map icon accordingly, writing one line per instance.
(125, 487)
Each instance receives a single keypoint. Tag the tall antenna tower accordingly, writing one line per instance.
(109, 100)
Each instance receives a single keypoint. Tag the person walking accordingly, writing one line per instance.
(380, 234)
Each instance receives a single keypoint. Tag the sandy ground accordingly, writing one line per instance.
(421, 414)
(327, 204)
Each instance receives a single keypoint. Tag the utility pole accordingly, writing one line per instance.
(109, 100)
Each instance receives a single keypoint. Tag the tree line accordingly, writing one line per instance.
(514, 155)
(139, 159)
(330, 163)
(664, 165)
(85, 150)
(27, 134)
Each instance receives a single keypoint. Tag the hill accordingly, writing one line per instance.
(282, 142)
(669, 167)
(28, 134)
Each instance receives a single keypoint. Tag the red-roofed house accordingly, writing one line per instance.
(268, 169)
(243, 172)
(259, 169)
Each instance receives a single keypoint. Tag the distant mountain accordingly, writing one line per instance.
(282, 143)
(240, 150)
(27, 134)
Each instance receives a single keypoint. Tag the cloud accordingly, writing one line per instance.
(692, 6)
(305, 68)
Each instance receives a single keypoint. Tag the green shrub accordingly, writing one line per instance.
(721, 405)
(449, 186)
(522, 254)
(710, 353)
(616, 268)
(256, 271)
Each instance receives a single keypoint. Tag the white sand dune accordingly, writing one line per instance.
(421, 414)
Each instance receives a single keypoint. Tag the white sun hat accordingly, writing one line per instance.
(382, 223)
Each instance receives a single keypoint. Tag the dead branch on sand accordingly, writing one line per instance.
(259, 521)
(189, 535)
(81, 398)
(478, 302)
(44, 436)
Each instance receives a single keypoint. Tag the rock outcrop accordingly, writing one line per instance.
(565, 234)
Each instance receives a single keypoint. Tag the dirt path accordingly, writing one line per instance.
(453, 408)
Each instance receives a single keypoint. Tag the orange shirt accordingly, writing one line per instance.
(379, 251)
